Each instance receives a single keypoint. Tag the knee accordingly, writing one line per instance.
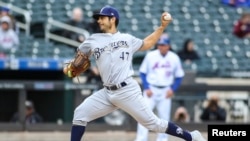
(158, 125)
(79, 115)
(77, 111)
(79, 122)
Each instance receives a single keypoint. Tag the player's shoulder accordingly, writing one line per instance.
(126, 34)
(173, 54)
(152, 53)
(97, 35)
(108, 34)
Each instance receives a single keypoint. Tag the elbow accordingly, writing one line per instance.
(146, 45)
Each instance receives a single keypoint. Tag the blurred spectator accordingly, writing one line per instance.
(213, 111)
(93, 26)
(181, 115)
(31, 115)
(77, 20)
(241, 28)
(5, 11)
(8, 37)
(2, 55)
(188, 52)
(236, 3)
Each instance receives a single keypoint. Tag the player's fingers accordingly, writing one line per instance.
(169, 94)
(166, 18)
(149, 93)
(65, 70)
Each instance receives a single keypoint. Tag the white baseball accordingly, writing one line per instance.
(167, 17)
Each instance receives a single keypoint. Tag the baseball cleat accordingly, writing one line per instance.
(196, 136)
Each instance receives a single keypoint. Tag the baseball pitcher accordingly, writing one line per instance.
(113, 52)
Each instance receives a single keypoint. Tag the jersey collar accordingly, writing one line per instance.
(118, 32)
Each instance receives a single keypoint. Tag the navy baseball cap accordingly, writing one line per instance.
(164, 40)
(107, 11)
(6, 9)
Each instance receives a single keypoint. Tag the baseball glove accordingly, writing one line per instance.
(78, 65)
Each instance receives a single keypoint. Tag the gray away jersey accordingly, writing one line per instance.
(113, 54)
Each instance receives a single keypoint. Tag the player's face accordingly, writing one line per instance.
(5, 26)
(105, 24)
(163, 49)
(190, 46)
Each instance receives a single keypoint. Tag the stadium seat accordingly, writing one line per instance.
(209, 23)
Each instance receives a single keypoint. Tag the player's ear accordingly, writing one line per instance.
(113, 19)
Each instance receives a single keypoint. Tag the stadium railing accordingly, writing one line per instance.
(57, 24)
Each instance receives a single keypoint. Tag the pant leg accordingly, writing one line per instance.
(93, 107)
(131, 100)
(142, 132)
(164, 112)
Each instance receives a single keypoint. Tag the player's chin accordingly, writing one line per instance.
(102, 29)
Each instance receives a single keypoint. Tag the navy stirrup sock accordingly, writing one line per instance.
(178, 132)
(76, 132)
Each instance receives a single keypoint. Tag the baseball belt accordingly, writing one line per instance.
(116, 87)
(157, 86)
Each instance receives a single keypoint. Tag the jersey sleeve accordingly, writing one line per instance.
(136, 43)
(143, 67)
(85, 47)
(179, 72)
